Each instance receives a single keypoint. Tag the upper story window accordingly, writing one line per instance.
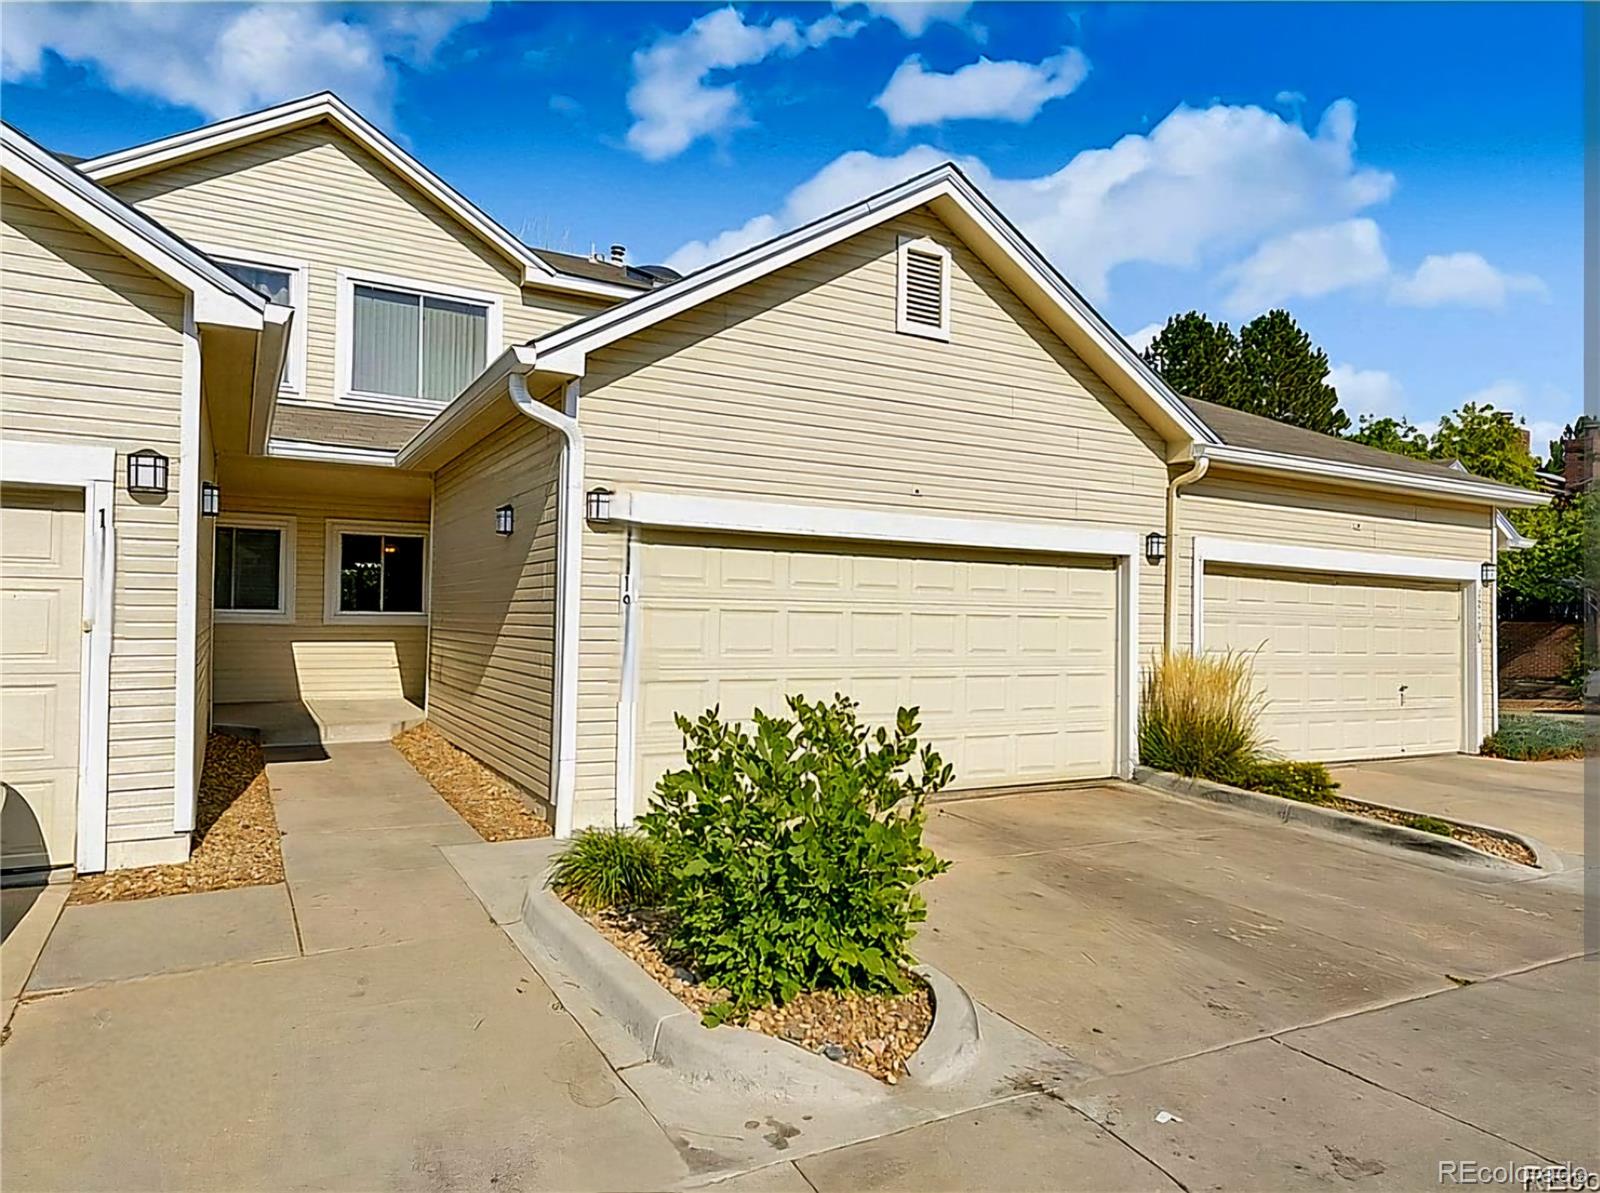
(282, 281)
(922, 289)
(404, 346)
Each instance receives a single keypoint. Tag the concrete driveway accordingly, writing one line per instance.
(1539, 799)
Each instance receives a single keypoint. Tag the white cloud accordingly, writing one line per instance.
(672, 102)
(1307, 263)
(1461, 279)
(982, 90)
(914, 16)
(1202, 184)
(221, 60)
(1367, 391)
(1140, 340)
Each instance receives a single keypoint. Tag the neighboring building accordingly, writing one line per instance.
(1580, 455)
(557, 499)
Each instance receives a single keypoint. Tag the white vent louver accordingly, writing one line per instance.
(924, 288)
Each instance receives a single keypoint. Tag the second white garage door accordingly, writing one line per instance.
(1351, 667)
(1013, 662)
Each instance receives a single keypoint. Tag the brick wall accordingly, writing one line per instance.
(1536, 649)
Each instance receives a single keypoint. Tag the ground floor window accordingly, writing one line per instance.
(251, 570)
(376, 572)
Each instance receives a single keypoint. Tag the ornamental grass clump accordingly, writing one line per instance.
(609, 867)
(793, 852)
(1199, 715)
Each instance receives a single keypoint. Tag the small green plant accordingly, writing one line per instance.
(795, 851)
(1431, 824)
(1199, 715)
(1308, 782)
(609, 867)
(1536, 739)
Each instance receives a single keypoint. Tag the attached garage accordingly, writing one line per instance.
(1012, 660)
(1352, 662)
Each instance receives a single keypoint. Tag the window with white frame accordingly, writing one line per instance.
(281, 281)
(922, 291)
(376, 571)
(411, 347)
(253, 569)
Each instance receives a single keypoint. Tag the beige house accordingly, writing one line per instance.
(555, 500)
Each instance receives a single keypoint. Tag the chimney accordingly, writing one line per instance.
(619, 254)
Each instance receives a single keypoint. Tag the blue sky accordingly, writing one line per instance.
(1406, 179)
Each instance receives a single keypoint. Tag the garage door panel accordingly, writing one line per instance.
(1351, 667)
(1013, 663)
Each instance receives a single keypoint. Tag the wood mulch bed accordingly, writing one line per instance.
(876, 1033)
(236, 835)
(1505, 847)
(482, 798)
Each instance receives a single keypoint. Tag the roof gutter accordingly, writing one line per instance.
(1365, 476)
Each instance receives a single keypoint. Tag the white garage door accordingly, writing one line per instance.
(1012, 662)
(41, 632)
(1352, 667)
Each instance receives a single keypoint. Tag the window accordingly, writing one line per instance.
(922, 296)
(401, 346)
(281, 281)
(253, 569)
(376, 572)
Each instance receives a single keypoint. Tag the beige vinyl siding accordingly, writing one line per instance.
(91, 351)
(311, 657)
(491, 670)
(797, 387)
(1230, 506)
(315, 196)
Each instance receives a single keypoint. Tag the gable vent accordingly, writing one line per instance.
(923, 291)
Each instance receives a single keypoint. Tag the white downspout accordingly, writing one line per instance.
(569, 582)
(1169, 588)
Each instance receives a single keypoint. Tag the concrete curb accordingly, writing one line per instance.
(734, 1059)
(1332, 820)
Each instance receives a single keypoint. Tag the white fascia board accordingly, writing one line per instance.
(429, 447)
(1245, 553)
(1508, 536)
(727, 515)
(945, 184)
(299, 449)
(219, 300)
(154, 155)
(1365, 476)
(271, 350)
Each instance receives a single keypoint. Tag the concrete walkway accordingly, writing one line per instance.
(393, 1039)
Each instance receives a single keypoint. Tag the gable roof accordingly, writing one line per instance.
(1253, 440)
(219, 299)
(954, 199)
(327, 107)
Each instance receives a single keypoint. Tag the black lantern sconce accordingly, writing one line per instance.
(1155, 546)
(505, 520)
(599, 505)
(1488, 573)
(210, 500)
(147, 472)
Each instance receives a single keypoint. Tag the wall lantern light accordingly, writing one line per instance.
(210, 500)
(147, 472)
(600, 505)
(1488, 573)
(505, 520)
(1155, 546)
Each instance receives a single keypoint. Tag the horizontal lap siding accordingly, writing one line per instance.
(491, 668)
(258, 662)
(313, 195)
(91, 351)
(797, 388)
(1229, 507)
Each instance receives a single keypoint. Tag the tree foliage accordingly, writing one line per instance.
(1270, 367)
(1393, 435)
(1546, 579)
(1487, 442)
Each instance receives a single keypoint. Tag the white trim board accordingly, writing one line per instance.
(1372, 564)
(185, 771)
(92, 469)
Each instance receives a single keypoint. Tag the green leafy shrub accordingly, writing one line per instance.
(795, 852)
(1199, 715)
(1308, 782)
(609, 867)
(1536, 739)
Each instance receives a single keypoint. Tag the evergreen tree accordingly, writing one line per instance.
(1197, 357)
